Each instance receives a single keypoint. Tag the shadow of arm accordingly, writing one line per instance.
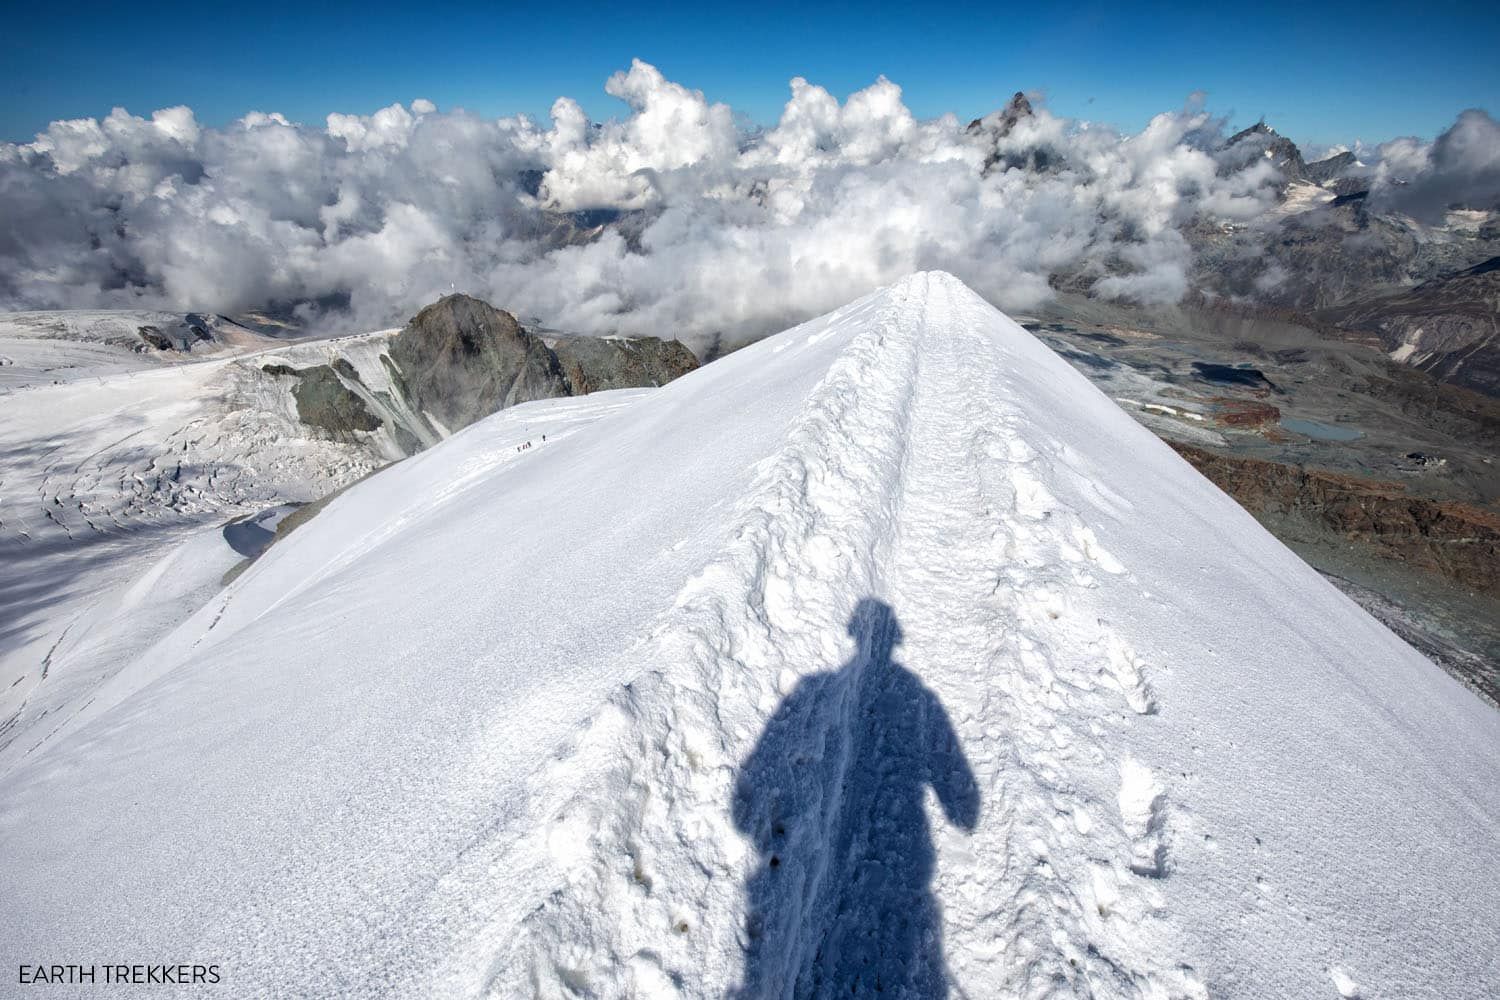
(948, 769)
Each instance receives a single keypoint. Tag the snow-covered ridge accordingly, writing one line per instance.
(117, 454)
(653, 707)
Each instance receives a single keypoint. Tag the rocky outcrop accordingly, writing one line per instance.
(1449, 326)
(462, 359)
(185, 332)
(1323, 171)
(593, 364)
(457, 361)
(324, 402)
(1459, 541)
(1244, 414)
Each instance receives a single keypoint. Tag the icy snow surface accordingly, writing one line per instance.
(886, 655)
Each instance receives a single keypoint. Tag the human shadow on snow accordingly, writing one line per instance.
(840, 899)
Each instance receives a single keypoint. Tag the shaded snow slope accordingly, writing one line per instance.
(886, 653)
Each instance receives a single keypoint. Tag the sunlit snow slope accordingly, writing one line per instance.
(886, 656)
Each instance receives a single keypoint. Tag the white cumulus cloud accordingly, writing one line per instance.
(709, 228)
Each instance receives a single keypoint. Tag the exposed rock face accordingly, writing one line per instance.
(996, 126)
(593, 364)
(1460, 541)
(187, 332)
(155, 338)
(325, 403)
(1448, 326)
(457, 361)
(1261, 140)
(462, 359)
(999, 123)
(1323, 171)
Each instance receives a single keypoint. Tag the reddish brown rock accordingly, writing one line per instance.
(1458, 540)
(1244, 413)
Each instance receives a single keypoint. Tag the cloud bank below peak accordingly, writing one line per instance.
(713, 228)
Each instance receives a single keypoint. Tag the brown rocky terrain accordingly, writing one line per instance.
(1460, 541)
(1385, 477)
(1245, 413)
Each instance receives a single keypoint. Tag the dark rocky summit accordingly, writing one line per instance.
(999, 123)
(1262, 141)
(995, 127)
(1323, 171)
(462, 359)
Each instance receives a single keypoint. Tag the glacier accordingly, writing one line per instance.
(884, 655)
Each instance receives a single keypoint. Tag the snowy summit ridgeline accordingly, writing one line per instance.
(885, 653)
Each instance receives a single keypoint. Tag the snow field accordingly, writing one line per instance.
(884, 656)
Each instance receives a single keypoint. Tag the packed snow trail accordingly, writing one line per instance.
(883, 497)
(998, 605)
(886, 653)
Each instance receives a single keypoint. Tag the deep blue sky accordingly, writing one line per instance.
(1320, 72)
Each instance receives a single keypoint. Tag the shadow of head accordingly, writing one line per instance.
(875, 630)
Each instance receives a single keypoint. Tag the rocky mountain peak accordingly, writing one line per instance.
(463, 323)
(1259, 128)
(1325, 170)
(1016, 108)
(994, 127)
(461, 359)
(1261, 139)
(1002, 121)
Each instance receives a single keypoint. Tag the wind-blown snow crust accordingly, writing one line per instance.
(889, 628)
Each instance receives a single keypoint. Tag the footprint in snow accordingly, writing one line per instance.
(1143, 808)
